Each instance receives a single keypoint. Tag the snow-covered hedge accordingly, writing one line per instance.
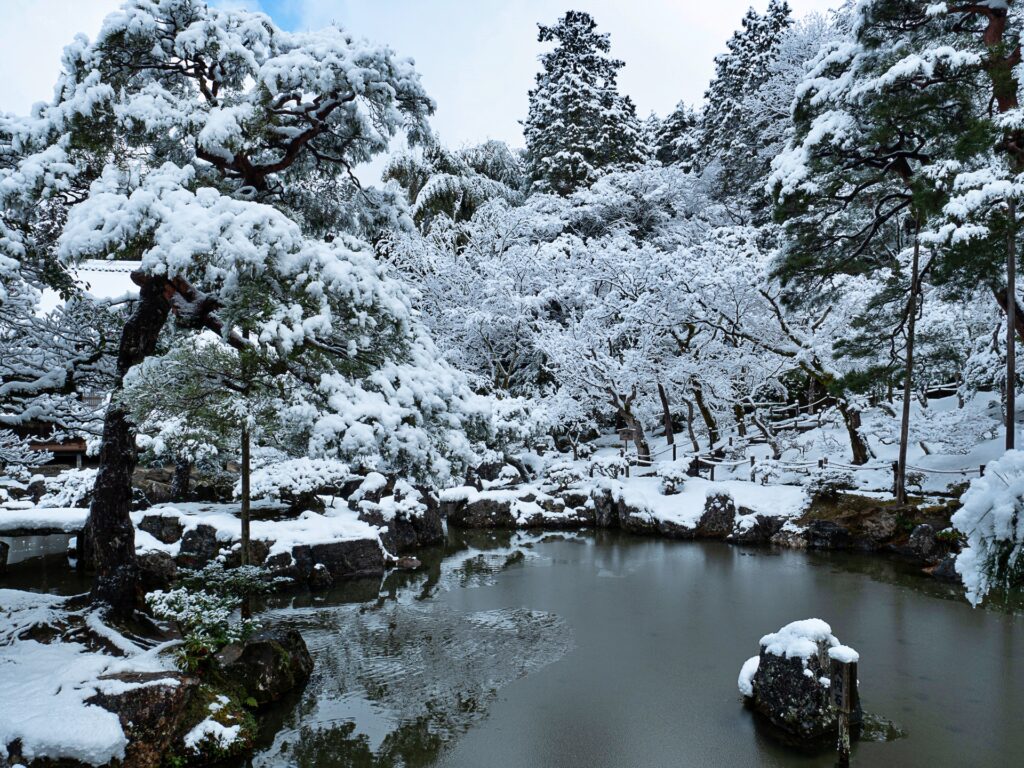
(608, 466)
(295, 478)
(990, 520)
(674, 475)
(563, 475)
(829, 482)
(71, 488)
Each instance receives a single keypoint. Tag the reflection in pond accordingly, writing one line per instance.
(452, 666)
(397, 676)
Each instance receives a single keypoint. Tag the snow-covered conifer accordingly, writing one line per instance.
(579, 125)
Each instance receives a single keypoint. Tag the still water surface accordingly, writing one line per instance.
(593, 651)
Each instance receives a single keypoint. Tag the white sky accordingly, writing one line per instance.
(477, 57)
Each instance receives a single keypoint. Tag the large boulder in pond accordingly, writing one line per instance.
(790, 680)
(922, 543)
(755, 528)
(268, 665)
(825, 534)
(608, 508)
(483, 511)
(353, 558)
(719, 516)
(408, 529)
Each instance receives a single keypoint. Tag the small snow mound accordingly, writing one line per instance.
(799, 639)
(844, 654)
(747, 672)
(222, 736)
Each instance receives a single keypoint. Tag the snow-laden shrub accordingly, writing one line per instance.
(827, 483)
(674, 475)
(585, 450)
(205, 619)
(767, 472)
(296, 481)
(563, 475)
(204, 606)
(70, 488)
(990, 520)
(608, 466)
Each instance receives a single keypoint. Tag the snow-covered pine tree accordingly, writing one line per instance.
(676, 142)
(649, 130)
(727, 136)
(883, 118)
(454, 184)
(190, 138)
(578, 125)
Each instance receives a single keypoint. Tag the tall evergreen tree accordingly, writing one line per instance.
(881, 120)
(579, 125)
(676, 142)
(744, 68)
(192, 138)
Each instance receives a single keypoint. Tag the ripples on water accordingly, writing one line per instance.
(399, 675)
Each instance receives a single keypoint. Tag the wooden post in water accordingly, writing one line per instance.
(844, 698)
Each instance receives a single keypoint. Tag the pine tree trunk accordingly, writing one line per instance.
(741, 425)
(908, 374)
(110, 533)
(1011, 322)
(246, 503)
(181, 481)
(666, 414)
(769, 436)
(851, 418)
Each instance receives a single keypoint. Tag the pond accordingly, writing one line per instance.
(595, 650)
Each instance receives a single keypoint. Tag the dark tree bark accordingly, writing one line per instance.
(705, 413)
(181, 481)
(766, 432)
(623, 405)
(908, 373)
(643, 450)
(110, 535)
(851, 418)
(689, 425)
(246, 500)
(666, 414)
(245, 512)
(741, 425)
(1011, 332)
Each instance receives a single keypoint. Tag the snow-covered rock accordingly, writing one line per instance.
(789, 681)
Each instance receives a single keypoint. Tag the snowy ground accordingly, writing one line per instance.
(337, 523)
(44, 686)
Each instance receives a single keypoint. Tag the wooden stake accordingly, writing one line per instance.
(845, 700)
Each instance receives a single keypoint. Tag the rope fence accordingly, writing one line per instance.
(711, 463)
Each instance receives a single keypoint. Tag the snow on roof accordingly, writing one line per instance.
(102, 279)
